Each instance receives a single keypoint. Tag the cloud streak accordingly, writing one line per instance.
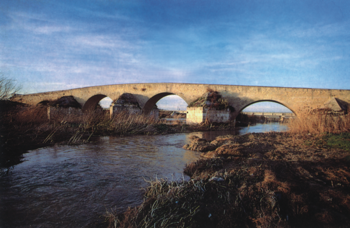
(128, 42)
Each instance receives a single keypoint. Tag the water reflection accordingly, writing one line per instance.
(269, 127)
(258, 128)
(72, 186)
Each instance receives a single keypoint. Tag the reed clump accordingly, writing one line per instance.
(320, 122)
(29, 127)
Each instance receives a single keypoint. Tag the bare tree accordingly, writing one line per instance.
(7, 88)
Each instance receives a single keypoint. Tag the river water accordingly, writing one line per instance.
(73, 186)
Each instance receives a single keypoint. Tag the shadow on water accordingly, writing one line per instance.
(72, 186)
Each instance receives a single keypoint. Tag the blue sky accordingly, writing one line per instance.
(53, 45)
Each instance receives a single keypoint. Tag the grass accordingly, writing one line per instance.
(341, 141)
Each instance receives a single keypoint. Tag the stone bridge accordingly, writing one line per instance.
(148, 94)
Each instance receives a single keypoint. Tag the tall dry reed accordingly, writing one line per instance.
(27, 128)
(317, 122)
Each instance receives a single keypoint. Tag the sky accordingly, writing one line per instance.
(48, 45)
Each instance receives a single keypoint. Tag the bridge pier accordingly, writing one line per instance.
(131, 109)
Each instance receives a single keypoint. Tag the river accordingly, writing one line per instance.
(73, 186)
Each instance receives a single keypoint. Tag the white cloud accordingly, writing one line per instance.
(321, 30)
(99, 41)
(48, 30)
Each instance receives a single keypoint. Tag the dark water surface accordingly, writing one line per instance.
(73, 186)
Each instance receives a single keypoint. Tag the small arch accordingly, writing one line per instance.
(151, 103)
(92, 102)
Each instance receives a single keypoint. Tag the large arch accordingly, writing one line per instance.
(263, 100)
(92, 102)
(150, 104)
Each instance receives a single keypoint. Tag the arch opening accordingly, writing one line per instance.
(93, 102)
(172, 109)
(172, 103)
(169, 102)
(266, 106)
(265, 111)
(105, 103)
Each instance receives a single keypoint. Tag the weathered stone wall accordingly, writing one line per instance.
(217, 116)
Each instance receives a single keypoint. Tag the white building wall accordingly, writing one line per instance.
(196, 115)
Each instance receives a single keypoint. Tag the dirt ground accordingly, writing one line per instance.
(253, 180)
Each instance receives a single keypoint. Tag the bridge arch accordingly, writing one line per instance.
(92, 102)
(150, 104)
(264, 100)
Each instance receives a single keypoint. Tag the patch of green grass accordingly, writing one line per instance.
(341, 141)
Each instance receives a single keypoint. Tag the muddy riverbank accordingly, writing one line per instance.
(254, 180)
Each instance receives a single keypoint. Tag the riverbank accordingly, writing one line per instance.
(254, 180)
(28, 128)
